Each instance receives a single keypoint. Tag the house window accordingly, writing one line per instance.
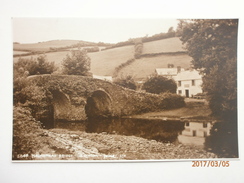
(179, 83)
(193, 82)
(205, 125)
(194, 133)
(179, 92)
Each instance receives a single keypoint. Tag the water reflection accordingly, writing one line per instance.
(164, 131)
(195, 133)
(220, 138)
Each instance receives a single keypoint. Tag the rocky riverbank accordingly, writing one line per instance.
(76, 145)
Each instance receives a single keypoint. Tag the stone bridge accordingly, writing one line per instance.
(77, 97)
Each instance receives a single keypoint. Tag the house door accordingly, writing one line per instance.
(187, 93)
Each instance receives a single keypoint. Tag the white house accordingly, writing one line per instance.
(168, 72)
(188, 83)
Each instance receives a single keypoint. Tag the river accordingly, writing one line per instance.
(188, 133)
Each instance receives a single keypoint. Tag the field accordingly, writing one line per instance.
(145, 67)
(104, 62)
(165, 45)
(57, 57)
(19, 52)
(44, 46)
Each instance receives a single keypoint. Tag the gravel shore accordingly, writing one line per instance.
(76, 145)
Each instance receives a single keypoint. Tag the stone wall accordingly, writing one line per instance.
(71, 95)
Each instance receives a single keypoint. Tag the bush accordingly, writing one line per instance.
(172, 101)
(78, 63)
(127, 82)
(159, 84)
(35, 66)
(30, 95)
(26, 134)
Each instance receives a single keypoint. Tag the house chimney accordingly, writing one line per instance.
(170, 65)
(178, 69)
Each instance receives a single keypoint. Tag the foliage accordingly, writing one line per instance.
(26, 133)
(212, 43)
(78, 63)
(223, 139)
(35, 66)
(159, 84)
(30, 95)
(126, 81)
(92, 49)
(155, 37)
(159, 36)
(172, 101)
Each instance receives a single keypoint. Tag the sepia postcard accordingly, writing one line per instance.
(97, 89)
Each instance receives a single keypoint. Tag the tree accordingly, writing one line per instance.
(212, 44)
(78, 63)
(171, 32)
(127, 82)
(159, 84)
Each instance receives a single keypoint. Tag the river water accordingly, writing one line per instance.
(188, 133)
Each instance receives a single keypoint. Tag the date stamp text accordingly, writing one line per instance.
(210, 163)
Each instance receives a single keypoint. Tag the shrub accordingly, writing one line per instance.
(26, 134)
(35, 66)
(30, 95)
(172, 101)
(159, 84)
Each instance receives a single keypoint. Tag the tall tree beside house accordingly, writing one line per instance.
(78, 63)
(212, 43)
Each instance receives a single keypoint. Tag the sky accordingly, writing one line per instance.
(109, 30)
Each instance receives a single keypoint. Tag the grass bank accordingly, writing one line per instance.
(194, 109)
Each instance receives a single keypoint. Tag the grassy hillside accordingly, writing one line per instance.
(105, 62)
(102, 63)
(57, 57)
(144, 67)
(44, 46)
(165, 45)
(19, 52)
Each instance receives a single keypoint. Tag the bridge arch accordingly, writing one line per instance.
(99, 104)
(61, 104)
